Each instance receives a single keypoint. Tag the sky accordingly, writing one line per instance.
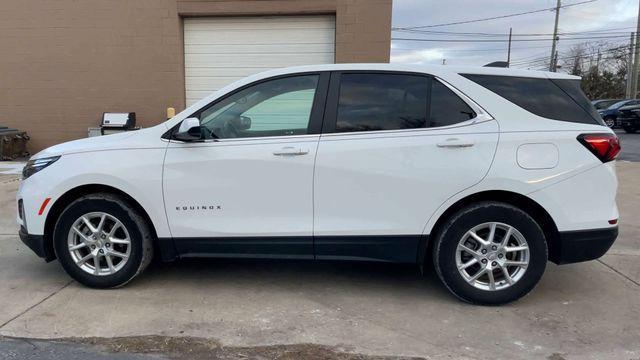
(609, 21)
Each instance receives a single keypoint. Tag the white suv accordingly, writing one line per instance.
(488, 172)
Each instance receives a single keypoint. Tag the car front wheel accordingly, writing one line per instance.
(490, 253)
(102, 242)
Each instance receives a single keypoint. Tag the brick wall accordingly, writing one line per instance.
(65, 62)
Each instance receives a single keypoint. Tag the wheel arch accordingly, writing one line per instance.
(524, 203)
(71, 195)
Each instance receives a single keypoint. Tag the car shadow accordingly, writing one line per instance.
(376, 278)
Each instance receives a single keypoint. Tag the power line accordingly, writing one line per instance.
(505, 40)
(483, 34)
(545, 60)
(601, 51)
(567, 57)
(473, 50)
(492, 18)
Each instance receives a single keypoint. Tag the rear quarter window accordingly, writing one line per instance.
(557, 99)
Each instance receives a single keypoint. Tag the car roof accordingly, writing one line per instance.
(437, 70)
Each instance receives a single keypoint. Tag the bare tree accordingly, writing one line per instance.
(603, 67)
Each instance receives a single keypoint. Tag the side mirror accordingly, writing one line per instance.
(245, 123)
(189, 130)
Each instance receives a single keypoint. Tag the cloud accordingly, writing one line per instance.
(417, 57)
(596, 16)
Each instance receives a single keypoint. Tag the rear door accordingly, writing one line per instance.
(394, 147)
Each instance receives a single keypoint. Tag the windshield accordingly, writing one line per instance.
(619, 104)
(603, 104)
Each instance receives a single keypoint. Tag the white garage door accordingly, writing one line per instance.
(220, 50)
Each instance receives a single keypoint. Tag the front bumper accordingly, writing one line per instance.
(37, 244)
(583, 245)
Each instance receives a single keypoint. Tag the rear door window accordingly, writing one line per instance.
(557, 99)
(371, 102)
(447, 108)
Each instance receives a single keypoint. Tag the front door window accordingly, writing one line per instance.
(277, 107)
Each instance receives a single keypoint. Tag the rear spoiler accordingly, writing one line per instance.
(498, 64)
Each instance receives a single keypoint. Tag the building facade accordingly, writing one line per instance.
(66, 62)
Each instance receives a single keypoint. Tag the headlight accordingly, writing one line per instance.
(33, 166)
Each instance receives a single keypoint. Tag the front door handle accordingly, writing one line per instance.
(455, 143)
(290, 151)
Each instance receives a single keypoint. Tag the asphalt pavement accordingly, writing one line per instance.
(630, 146)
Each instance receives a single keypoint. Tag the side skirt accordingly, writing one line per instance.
(391, 248)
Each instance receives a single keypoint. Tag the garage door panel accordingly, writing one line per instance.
(273, 60)
(219, 51)
(266, 22)
(251, 37)
(215, 71)
(259, 48)
(199, 87)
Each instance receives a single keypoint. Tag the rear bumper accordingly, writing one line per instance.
(37, 245)
(583, 245)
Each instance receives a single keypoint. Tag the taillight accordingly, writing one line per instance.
(604, 146)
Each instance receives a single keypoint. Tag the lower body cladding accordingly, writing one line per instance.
(570, 247)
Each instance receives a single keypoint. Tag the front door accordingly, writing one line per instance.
(397, 145)
(246, 190)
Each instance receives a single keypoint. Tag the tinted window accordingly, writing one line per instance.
(619, 104)
(552, 99)
(369, 102)
(272, 108)
(447, 108)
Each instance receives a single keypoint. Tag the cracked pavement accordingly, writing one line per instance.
(588, 310)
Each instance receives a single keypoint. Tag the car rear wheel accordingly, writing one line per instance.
(490, 253)
(610, 121)
(102, 242)
(629, 129)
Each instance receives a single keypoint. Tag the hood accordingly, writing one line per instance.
(608, 112)
(144, 138)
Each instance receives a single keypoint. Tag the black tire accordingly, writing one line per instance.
(446, 245)
(141, 251)
(610, 121)
(630, 129)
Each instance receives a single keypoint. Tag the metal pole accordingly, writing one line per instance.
(552, 65)
(509, 50)
(636, 63)
(630, 69)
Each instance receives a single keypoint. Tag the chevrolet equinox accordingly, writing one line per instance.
(486, 173)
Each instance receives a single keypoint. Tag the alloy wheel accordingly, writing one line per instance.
(99, 243)
(492, 256)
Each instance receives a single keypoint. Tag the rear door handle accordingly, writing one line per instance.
(290, 151)
(455, 143)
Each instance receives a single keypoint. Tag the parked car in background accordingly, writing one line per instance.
(629, 118)
(610, 114)
(604, 103)
(486, 172)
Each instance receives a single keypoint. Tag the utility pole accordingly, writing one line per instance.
(552, 64)
(509, 50)
(630, 69)
(636, 63)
